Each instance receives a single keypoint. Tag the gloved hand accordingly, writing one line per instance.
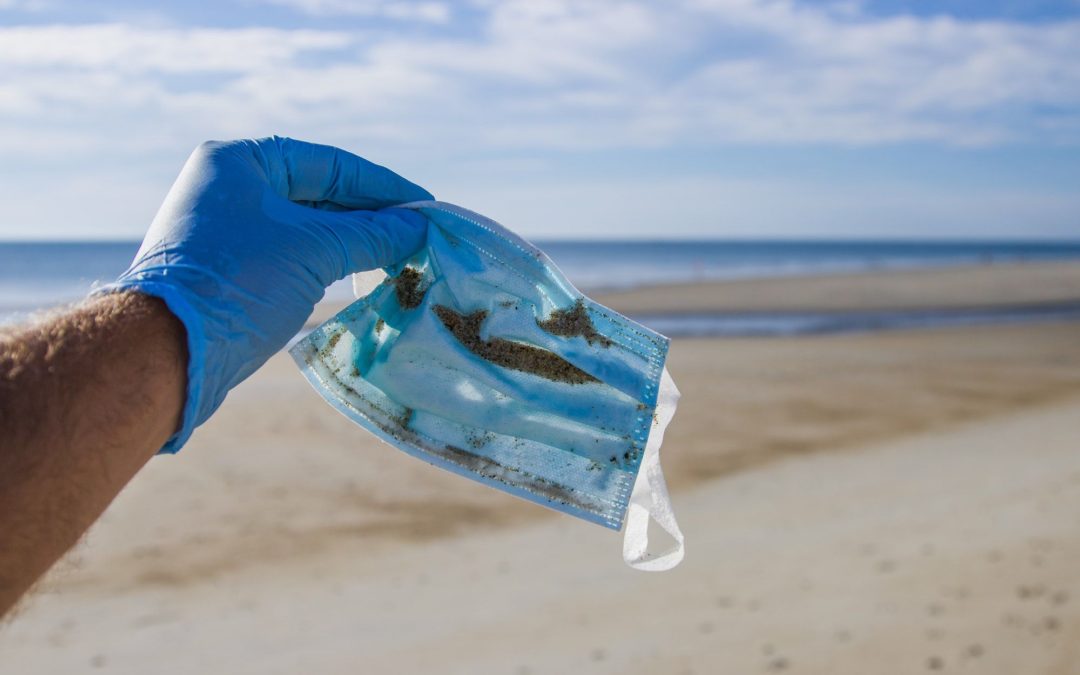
(247, 241)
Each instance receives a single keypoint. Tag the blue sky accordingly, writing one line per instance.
(682, 118)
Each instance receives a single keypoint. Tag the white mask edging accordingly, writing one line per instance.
(650, 498)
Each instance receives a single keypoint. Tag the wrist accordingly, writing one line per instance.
(160, 339)
(178, 324)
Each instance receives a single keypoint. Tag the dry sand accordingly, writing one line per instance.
(902, 503)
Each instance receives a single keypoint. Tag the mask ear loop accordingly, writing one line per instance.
(650, 498)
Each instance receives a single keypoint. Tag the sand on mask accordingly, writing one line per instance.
(407, 287)
(574, 322)
(508, 353)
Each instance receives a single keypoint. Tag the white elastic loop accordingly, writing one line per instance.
(365, 282)
(650, 496)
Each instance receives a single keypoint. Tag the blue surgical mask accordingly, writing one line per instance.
(478, 356)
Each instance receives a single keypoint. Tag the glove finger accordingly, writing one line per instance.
(372, 239)
(322, 173)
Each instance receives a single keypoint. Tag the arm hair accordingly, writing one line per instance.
(87, 396)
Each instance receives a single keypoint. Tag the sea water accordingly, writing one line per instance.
(39, 275)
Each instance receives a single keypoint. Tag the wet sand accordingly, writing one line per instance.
(898, 502)
(976, 286)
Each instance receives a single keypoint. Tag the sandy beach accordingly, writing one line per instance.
(897, 502)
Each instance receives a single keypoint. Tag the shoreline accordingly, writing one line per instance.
(968, 286)
(932, 287)
(1015, 288)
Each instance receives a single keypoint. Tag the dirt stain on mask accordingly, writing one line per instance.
(407, 286)
(489, 468)
(507, 353)
(572, 323)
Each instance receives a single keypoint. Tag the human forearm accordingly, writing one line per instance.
(86, 398)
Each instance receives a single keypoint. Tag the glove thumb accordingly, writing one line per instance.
(375, 239)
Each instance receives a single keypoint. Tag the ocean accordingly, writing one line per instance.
(38, 275)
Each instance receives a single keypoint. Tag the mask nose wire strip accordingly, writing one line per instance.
(650, 497)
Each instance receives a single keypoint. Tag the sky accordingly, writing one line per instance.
(566, 118)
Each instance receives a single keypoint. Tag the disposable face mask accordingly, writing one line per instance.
(478, 356)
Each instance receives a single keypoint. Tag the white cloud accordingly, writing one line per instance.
(115, 49)
(435, 12)
(534, 77)
(26, 5)
(551, 73)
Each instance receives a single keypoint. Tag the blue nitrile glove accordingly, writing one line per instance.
(247, 241)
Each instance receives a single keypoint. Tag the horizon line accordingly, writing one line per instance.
(824, 239)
